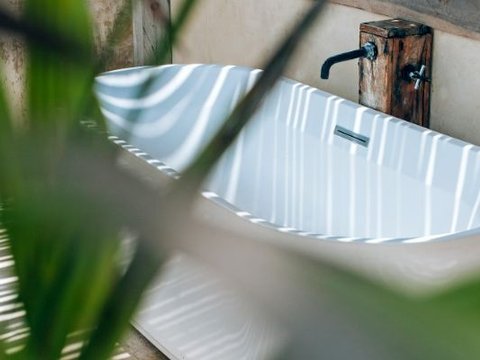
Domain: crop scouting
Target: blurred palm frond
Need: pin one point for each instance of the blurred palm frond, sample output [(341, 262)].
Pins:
[(64, 238)]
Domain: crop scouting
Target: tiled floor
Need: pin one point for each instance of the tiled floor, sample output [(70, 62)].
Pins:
[(13, 330)]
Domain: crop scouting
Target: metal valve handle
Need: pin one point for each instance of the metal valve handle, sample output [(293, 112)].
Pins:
[(419, 76)]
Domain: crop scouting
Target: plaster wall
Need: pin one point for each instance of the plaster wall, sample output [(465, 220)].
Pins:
[(244, 32)]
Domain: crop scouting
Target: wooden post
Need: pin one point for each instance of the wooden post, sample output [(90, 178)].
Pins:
[(403, 47), (150, 17)]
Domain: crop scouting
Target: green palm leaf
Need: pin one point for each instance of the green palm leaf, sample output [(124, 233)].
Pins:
[(58, 85)]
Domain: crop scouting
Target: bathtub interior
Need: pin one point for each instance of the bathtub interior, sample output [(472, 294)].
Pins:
[(287, 168)]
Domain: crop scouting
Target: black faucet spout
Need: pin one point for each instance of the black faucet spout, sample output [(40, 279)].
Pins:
[(369, 51)]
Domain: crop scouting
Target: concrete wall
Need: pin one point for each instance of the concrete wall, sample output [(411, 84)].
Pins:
[(244, 32)]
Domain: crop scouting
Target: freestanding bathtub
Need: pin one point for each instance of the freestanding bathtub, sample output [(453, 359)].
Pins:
[(376, 193)]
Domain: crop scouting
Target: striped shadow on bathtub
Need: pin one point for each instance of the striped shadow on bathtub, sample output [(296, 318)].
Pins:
[(309, 163)]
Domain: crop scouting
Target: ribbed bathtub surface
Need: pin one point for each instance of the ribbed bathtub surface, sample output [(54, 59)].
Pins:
[(288, 169)]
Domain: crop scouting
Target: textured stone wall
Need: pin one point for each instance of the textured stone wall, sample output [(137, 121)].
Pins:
[(104, 13), (12, 52), (12, 57)]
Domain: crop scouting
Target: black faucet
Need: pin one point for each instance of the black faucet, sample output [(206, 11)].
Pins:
[(368, 50)]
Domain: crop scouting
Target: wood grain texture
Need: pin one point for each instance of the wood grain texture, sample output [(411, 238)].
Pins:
[(374, 88), (394, 28), (149, 20), (459, 17), (384, 84)]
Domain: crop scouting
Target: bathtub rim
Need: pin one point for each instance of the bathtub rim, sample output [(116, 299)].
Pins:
[(216, 199), (164, 168)]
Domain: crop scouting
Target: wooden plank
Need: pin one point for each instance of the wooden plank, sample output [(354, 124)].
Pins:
[(150, 17), (459, 17), (394, 28), (139, 348)]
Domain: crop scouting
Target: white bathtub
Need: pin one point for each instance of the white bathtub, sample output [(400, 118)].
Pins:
[(397, 199)]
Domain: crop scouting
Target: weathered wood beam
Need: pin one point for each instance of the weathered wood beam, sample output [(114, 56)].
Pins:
[(459, 17), (385, 83), (149, 20)]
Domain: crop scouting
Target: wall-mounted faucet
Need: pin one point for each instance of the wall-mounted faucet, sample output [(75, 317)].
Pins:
[(395, 68), (368, 51)]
